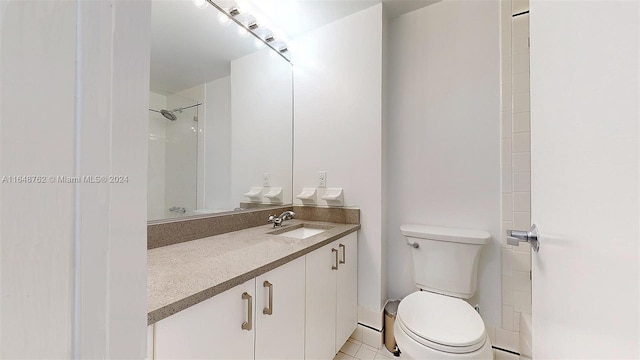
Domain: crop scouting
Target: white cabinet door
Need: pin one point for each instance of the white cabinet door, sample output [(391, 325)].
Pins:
[(347, 293), (150, 342), (280, 323), (320, 325), (211, 329)]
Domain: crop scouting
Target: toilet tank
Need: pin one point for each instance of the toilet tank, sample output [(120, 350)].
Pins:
[(446, 259)]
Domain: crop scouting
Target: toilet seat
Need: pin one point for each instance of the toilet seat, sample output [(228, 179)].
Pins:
[(441, 322)]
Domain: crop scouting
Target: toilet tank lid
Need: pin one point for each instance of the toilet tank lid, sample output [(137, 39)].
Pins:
[(465, 236)]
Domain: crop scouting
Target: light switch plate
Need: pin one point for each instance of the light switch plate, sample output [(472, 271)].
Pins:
[(266, 178)]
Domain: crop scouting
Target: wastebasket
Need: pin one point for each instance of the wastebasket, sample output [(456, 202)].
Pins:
[(390, 311)]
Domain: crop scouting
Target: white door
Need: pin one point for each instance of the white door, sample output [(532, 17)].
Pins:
[(347, 292), (280, 306), (212, 329), (584, 164)]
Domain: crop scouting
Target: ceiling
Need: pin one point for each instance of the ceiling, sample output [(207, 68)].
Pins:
[(295, 17), (396, 8), (189, 46)]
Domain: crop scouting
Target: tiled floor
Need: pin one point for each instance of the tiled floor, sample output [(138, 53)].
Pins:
[(354, 349)]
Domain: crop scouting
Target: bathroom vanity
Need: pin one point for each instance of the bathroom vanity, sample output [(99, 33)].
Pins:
[(255, 293)]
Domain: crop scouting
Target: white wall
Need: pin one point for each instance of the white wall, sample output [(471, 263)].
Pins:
[(338, 129), (261, 109), (37, 233), (73, 97), (157, 152), (217, 146), (443, 137)]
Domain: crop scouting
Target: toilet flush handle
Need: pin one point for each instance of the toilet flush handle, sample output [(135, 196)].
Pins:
[(415, 245)]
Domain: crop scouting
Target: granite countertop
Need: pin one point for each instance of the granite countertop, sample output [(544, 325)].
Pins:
[(184, 274)]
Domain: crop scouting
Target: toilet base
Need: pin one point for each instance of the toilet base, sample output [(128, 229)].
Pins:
[(413, 350)]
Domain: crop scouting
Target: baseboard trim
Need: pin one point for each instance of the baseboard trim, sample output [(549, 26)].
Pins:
[(369, 327), (371, 318), (505, 350)]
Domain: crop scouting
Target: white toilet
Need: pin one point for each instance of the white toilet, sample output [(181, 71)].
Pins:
[(435, 323)]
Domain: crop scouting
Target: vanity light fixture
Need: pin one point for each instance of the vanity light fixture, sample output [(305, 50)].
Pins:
[(249, 25)]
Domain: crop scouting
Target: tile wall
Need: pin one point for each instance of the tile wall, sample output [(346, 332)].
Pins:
[(516, 169)]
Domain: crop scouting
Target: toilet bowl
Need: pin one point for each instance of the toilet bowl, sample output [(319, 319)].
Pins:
[(435, 322), (434, 326)]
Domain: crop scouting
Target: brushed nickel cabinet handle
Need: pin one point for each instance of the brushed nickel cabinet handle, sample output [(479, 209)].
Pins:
[(335, 267), (247, 325), (344, 250), (269, 309)]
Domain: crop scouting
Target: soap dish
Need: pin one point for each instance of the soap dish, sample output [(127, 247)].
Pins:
[(334, 197), (255, 194), (274, 195), (308, 196)]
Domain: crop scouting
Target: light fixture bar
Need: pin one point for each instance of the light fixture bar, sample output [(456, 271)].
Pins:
[(234, 12)]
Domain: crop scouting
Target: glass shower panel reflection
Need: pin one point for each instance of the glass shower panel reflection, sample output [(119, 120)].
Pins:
[(173, 156), (181, 163)]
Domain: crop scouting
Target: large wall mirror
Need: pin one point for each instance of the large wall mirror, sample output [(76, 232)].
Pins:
[(220, 115)]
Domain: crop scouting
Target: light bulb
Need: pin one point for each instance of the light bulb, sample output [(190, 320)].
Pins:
[(242, 31), (224, 19), (200, 4), (278, 34)]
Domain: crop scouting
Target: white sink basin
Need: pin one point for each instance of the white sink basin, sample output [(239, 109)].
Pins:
[(302, 231)]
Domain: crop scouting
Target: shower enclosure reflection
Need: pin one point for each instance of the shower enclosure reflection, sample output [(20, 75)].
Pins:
[(220, 108), (173, 155)]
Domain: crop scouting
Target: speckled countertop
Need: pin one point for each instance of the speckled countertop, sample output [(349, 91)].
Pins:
[(184, 274)]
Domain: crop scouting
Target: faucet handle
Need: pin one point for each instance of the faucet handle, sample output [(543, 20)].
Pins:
[(276, 221)]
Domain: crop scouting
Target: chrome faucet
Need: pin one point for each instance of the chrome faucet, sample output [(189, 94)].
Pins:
[(278, 220)]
